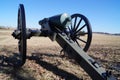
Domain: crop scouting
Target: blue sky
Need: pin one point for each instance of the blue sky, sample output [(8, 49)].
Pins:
[(104, 15)]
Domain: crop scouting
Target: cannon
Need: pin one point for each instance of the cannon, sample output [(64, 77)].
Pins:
[(68, 31)]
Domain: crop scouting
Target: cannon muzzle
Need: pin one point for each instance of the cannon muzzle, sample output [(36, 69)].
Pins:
[(60, 21)]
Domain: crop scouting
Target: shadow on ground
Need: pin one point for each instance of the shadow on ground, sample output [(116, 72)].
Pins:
[(9, 66), (50, 67)]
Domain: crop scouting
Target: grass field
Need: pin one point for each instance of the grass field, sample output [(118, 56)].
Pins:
[(44, 61)]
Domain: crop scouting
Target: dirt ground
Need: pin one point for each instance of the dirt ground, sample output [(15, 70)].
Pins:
[(44, 61)]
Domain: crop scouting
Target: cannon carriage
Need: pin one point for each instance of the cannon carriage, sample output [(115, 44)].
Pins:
[(72, 32)]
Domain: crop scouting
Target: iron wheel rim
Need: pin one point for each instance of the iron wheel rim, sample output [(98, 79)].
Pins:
[(22, 27), (80, 22)]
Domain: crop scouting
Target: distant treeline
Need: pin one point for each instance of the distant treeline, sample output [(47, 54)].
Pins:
[(1, 27), (5, 27), (117, 34)]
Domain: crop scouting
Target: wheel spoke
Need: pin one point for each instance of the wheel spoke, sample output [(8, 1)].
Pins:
[(81, 34), (77, 43), (78, 24), (81, 40), (75, 22), (80, 28), (69, 28)]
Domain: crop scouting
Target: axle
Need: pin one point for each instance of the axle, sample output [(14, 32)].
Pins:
[(29, 33)]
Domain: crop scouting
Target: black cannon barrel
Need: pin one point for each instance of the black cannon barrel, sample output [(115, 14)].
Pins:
[(60, 21)]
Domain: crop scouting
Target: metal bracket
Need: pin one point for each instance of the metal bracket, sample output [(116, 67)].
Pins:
[(16, 34)]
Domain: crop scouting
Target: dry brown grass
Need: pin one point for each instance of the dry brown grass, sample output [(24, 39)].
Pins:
[(44, 61), (104, 39)]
